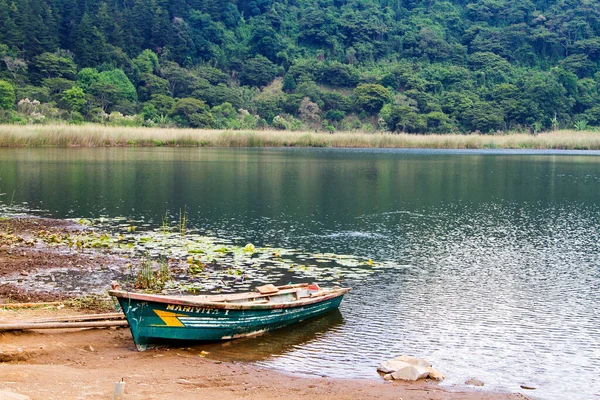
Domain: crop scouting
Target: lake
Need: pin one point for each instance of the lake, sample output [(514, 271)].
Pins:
[(493, 257)]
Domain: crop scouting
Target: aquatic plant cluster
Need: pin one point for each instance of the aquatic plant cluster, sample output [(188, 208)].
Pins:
[(170, 259), (200, 263)]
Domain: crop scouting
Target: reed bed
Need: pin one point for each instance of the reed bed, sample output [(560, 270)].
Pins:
[(92, 135)]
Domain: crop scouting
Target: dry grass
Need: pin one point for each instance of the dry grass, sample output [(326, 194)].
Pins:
[(103, 136)]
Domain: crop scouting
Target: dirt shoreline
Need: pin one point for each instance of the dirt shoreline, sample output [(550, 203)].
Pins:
[(84, 364)]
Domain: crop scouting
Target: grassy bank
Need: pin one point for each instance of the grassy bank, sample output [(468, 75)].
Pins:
[(104, 136)]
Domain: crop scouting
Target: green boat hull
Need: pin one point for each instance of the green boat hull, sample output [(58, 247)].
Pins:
[(153, 322)]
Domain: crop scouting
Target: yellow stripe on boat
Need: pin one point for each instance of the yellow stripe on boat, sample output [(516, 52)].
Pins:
[(169, 318)]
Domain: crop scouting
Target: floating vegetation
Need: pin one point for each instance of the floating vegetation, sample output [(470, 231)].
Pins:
[(201, 263), (173, 258)]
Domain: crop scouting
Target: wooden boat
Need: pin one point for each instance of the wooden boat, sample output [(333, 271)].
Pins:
[(155, 318)]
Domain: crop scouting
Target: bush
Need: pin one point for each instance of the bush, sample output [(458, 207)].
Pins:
[(7, 96), (258, 71), (335, 115), (371, 97), (76, 118)]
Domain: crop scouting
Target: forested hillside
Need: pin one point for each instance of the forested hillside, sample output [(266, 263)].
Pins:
[(399, 65)]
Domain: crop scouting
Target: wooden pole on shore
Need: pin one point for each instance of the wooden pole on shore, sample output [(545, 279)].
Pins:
[(30, 305), (82, 317), (60, 325)]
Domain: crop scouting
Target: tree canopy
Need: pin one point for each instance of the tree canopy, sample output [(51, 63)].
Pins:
[(411, 65)]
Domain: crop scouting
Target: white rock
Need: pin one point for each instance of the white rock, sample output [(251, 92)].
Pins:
[(435, 374), (474, 382), (411, 373), (12, 396), (391, 366), (413, 361)]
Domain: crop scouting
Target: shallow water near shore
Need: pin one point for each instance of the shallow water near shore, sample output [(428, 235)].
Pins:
[(492, 259)]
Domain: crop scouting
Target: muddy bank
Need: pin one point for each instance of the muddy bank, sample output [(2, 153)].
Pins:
[(84, 364), (28, 246)]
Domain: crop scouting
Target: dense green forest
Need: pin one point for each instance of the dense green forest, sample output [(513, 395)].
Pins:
[(401, 65)]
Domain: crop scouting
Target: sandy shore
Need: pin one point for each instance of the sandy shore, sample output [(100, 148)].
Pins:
[(84, 364)]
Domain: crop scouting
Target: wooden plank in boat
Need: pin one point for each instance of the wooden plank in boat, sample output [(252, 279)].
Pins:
[(267, 289)]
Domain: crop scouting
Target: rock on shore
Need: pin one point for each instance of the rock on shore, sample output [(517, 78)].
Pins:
[(409, 368)]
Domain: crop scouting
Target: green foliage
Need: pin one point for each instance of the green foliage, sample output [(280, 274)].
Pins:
[(443, 64), (86, 77), (52, 65), (150, 277), (162, 104), (192, 112), (120, 81), (371, 97), (289, 83), (225, 117), (7, 95), (146, 62), (580, 125), (268, 106), (258, 71), (483, 117), (75, 98), (339, 75), (213, 75), (150, 85), (403, 118), (335, 115)]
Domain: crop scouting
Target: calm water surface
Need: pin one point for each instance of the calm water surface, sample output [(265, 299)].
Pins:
[(496, 254)]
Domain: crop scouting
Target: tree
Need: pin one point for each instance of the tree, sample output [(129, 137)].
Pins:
[(340, 75), (225, 117), (145, 63), (7, 95), (75, 98), (371, 97), (484, 117), (118, 78), (258, 71), (181, 81), (111, 89), (16, 66), (56, 87), (53, 65), (309, 112), (86, 77), (579, 64), (89, 45), (403, 118), (192, 112), (149, 85), (438, 122), (163, 104), (289, 83)]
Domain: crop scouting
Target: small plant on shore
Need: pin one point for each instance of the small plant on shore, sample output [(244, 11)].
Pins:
[(165, 226), (183, 220), (150, 278), (580, 125), (554, 122), (91, 302), (537, 127)]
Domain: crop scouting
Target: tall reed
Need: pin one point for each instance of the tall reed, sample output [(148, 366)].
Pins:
[(92, 135)]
